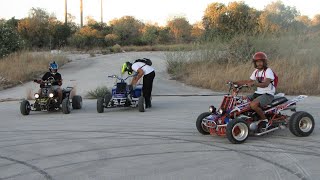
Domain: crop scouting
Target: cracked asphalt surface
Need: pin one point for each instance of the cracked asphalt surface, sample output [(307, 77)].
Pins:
[(161, 143)]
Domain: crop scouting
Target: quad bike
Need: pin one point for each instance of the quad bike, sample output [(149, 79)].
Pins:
[(48, 100), (123, 95), (236, 120)]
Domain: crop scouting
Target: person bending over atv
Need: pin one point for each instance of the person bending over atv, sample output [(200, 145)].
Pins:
[(142, 68), (53, 74), (265, 80)]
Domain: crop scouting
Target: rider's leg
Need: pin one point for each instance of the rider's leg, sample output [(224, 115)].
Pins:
[(255, 105), (59, 91), (147, 88)]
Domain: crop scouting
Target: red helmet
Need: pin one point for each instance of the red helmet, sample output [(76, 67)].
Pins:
[(259, 56)]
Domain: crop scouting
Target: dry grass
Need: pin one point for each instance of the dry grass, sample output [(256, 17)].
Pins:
[(24, 66), (171, 47), (296, 62)]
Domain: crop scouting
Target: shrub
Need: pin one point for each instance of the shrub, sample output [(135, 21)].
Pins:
[(98, 92), (116, 48), (10, 40)]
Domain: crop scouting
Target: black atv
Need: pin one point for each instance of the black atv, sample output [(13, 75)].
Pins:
[(48, 100)]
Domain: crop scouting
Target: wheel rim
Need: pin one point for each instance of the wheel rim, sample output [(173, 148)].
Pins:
[(305, 124), (240, 131), (203, 126)]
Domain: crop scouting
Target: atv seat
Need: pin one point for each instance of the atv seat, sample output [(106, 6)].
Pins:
[(67, 90), (277, 101), (121, 88)]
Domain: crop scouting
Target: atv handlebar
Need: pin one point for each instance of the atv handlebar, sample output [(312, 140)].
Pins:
[(233, 85), (119, 78)]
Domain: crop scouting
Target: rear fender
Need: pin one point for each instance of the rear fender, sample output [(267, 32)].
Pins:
[(287, 105)]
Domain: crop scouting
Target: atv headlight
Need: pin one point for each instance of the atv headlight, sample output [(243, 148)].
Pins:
[(212, 109), (220, 111), (51, 95), (36, 95)]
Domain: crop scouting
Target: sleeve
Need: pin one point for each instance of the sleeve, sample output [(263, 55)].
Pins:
[(269, 74), (59, 77), (253, 76), (45, 76), (135, 67)]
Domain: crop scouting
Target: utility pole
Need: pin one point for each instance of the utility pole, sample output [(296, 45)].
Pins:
[(81, 13), (65, 12), (101, 11)]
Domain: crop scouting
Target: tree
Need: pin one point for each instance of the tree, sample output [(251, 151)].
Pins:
[(316, 20), (10, 40), (111, 39), (197, 31), (35, 28), (128, 29), (150, 34), (180, 29), (60, 34), (236, 18), (87, 37), (164, 35), (277, 17)]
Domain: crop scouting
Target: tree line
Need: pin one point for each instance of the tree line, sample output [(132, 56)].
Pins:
[(43, 30)]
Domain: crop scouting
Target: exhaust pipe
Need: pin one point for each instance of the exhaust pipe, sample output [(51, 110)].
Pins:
[(271, 130)]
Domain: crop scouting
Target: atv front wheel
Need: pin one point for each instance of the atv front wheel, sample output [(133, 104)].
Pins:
[(76, 102), (100, 105), (301, 124), (200, 126), (66, 109), (237, 131), (141, 104), (25, 107)]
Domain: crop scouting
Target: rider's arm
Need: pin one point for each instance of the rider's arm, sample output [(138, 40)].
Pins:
[(136, 78), (263, 84), (59, 79), (241, 83), (45, 76)]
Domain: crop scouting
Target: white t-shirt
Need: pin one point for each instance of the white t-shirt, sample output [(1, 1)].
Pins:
[(259, 76), (145, 68)]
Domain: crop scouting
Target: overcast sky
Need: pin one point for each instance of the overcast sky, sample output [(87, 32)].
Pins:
[(145, 10)]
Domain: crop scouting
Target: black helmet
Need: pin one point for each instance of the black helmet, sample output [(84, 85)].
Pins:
[(53, 67)]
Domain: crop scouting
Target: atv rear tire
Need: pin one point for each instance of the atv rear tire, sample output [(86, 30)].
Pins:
[(237, 131), (141, 104), (100, 105), (301, 124), (76, 102), (25, 107), (201, 128), (66, 107)]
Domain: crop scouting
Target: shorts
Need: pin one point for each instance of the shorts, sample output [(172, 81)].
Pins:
[(55, 87), (264, 99)]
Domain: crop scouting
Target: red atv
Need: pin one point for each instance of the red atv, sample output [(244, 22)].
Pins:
[(236, 120)]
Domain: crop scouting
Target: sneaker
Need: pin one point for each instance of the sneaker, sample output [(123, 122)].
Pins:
[(266, 124)]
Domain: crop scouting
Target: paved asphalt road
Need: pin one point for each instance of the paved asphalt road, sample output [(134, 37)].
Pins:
[(161, 143)]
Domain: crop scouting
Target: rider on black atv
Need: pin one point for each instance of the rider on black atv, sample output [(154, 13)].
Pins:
[(263, 78), (53, 73)]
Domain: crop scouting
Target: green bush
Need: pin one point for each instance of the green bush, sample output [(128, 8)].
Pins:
[(98, 92), (116, 48), (10, 40)]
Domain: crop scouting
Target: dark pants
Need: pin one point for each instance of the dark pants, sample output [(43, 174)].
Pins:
[(147, 88)]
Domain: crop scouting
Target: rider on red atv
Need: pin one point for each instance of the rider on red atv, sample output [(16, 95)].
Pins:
[(264, 79)]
